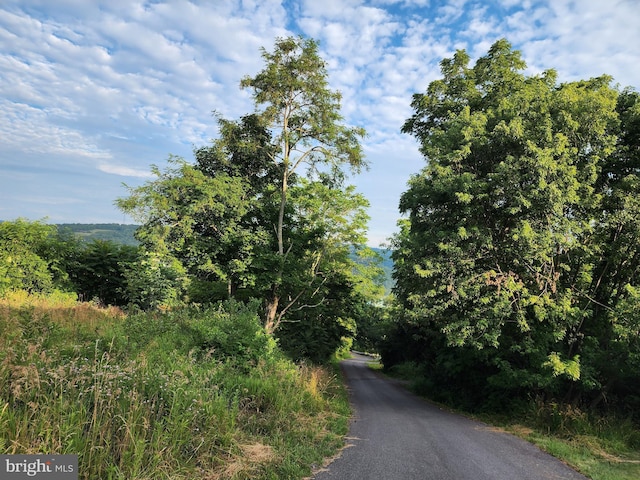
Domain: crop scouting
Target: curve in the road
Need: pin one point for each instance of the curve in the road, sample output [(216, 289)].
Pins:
[(396, 435)]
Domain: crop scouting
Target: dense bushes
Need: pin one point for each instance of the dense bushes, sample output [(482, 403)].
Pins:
[(35, 257), (190, 393), (517, 262), (24, 260)]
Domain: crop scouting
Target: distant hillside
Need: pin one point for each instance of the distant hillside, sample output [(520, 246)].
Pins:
[(387, 266), (115, 232), (387, 262)]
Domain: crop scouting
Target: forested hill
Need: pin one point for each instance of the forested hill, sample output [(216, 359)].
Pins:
[(115, 232), (387, 266)]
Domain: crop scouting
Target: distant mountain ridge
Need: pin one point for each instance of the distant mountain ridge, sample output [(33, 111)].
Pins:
[(387, 266), (114, 232)]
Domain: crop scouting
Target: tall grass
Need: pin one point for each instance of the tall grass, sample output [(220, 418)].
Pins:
[(172, 395), (602, 447)]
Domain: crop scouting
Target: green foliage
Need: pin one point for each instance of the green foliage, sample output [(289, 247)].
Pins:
[(304, 116), (373, 321), (600, 447), (189, 215), (233, 331), (518, 259), (316, 336), (244, 153), (26, 262), (39, 258), (298, 104), (155, 281), (150, 395), (97, 271), (264, 209), (570, 368)]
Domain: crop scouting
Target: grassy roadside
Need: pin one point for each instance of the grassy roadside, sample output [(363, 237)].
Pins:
[(601, 448), (183, 394)]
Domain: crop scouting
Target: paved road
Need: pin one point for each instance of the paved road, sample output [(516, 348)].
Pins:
[(397, 436)]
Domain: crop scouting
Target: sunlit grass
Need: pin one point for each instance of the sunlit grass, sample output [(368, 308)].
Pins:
[(601, 447), (139, 397)]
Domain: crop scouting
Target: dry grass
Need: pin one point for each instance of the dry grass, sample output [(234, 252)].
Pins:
[(71, 381), (317, 381), (62, 309), (248, 461), (595, 447)]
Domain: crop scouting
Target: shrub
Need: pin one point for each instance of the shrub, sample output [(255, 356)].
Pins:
[(189, 393), (232, 330)]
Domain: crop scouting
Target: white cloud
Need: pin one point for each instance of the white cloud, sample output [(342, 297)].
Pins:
[(124, 171), (106, 88), (579, 39), (451, 11), (29, 129)]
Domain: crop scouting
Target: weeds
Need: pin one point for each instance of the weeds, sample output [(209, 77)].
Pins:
[(612, 442), (162, 395)]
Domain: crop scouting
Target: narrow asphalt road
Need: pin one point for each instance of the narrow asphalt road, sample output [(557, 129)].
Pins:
[(396, 435)]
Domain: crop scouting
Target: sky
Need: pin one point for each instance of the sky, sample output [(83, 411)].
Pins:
[(93, 92)]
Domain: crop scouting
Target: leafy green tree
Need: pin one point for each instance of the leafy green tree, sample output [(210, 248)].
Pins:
[(607, 338), (330, 277), (244, 152), (25, 263), (505, 223), (156, 280), (97, 271), (243, 213), (195, 218), (324, 225), (303, 115)]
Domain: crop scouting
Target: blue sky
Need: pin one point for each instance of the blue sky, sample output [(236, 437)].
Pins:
[(94, 92)]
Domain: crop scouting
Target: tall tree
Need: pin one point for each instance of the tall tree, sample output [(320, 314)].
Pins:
[(608, 336), (498, 250), (193, 217), (304, 115), (264, 207)]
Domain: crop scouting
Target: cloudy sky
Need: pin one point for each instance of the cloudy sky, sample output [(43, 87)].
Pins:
[(93, 92)]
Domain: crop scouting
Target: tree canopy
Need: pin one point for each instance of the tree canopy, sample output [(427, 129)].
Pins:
[(303, 114), (521, 236), (265, 208)]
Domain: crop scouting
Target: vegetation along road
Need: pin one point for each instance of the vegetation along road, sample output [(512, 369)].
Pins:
[(397, 435)]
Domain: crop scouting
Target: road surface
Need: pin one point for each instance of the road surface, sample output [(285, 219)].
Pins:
[(396, 435)]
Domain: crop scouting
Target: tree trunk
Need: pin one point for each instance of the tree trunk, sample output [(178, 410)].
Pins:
[(232, 288), (602, 395), (272, 312), (283, 202)]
